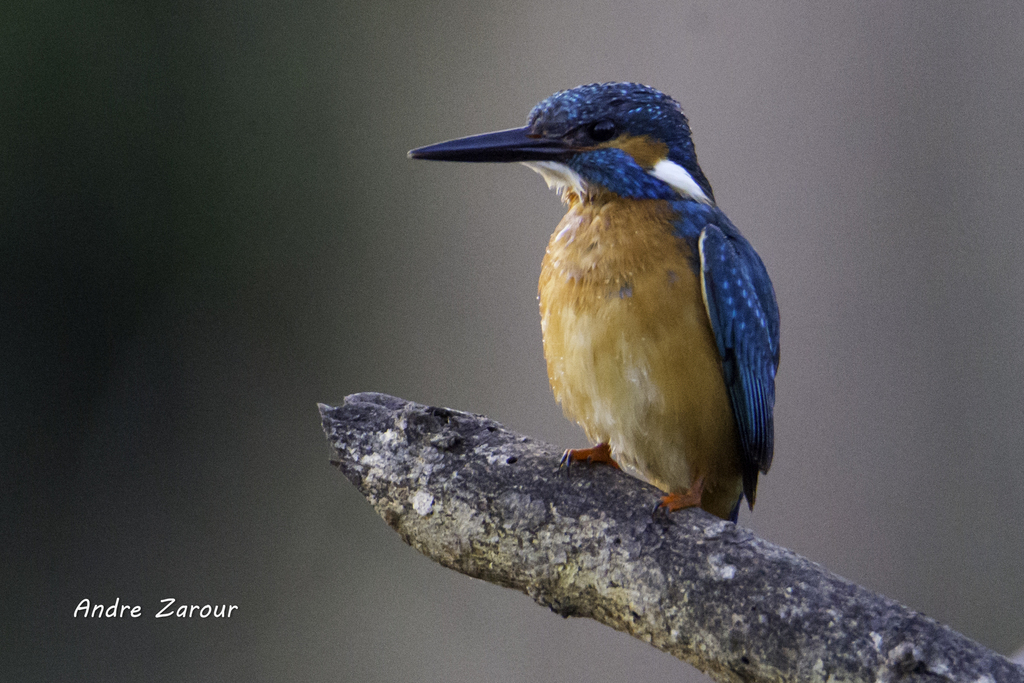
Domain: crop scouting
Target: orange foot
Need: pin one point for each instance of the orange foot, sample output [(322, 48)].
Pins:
[(689, 498), (601, 453)]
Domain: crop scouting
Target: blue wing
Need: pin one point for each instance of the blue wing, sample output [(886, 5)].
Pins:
[(744, 317)]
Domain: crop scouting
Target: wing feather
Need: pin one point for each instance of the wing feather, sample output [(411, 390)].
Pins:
[(741, 307)]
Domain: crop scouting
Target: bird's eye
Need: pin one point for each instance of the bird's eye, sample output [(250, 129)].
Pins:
[(601, 131)]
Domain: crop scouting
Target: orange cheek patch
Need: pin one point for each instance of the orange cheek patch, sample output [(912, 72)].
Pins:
[(644, 150)]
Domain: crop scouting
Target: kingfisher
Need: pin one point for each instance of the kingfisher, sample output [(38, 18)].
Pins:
[(660, 324)]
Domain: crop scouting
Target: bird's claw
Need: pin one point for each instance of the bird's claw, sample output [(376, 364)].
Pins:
[(566, 461), (660, 513)]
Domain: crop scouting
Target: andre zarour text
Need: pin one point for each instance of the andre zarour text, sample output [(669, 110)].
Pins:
[(169, 607)]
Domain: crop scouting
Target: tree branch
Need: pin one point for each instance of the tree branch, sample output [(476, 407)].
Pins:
[(489, 503)]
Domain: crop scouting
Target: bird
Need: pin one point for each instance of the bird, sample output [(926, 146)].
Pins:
[(659, 321)]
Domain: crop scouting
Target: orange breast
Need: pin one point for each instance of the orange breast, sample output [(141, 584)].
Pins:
[(629, 348)]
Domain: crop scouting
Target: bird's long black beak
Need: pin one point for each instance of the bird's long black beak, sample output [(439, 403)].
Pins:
[(515, 144)]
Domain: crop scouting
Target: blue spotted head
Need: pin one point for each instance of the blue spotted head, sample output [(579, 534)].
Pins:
[(623, 138)]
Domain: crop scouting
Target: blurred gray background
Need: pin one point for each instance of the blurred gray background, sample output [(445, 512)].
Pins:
[(209, 225)]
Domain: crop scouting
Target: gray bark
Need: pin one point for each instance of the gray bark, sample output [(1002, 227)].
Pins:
[(492, 504)]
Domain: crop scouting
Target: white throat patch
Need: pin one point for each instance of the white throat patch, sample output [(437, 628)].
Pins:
[(559, 177)]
